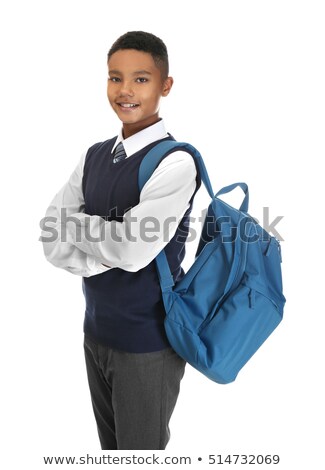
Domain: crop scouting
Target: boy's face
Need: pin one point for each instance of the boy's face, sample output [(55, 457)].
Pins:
[(134, 89)]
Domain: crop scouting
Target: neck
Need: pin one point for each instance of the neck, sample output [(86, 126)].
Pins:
[(131, 129)]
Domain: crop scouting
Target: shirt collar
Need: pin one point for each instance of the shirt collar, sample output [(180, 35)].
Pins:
[(142, 138)]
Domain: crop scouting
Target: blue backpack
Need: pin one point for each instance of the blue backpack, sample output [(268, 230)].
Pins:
[(230, 300)]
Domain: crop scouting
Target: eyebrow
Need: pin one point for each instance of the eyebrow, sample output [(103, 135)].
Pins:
[(138, 72)]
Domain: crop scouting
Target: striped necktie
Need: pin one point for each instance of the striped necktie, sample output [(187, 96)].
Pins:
[(119, 153)]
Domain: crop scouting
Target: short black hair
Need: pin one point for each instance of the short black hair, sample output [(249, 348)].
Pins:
[(145, 42)]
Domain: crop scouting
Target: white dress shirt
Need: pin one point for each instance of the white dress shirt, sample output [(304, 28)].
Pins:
[(165, 197)]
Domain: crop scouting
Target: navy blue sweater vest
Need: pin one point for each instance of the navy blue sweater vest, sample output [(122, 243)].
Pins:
[(124, 310)]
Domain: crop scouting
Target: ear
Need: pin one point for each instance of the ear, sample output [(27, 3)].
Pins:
[(167, 85)]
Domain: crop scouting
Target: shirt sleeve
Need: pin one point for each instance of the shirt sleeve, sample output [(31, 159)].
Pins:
[(57, 249), (146, 228)]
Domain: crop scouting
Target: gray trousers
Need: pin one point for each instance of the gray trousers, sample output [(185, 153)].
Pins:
[(133, 395)]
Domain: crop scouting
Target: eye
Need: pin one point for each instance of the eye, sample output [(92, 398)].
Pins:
[(114, 79), (141, 80)]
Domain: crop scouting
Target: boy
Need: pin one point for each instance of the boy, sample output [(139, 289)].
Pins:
[(105, 234)]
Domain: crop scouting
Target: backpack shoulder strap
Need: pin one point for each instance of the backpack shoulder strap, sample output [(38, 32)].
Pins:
[(160, 151), (147, 167)]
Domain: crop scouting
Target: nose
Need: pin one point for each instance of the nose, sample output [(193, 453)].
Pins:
[(126, 89)]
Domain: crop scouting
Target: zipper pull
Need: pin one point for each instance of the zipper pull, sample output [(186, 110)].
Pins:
[(279, 248), (251, 297), (268, 251)]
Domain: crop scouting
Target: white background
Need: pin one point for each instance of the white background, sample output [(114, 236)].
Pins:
[(249, 94)]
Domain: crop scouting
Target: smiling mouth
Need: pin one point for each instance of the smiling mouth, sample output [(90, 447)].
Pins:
[(128, 105)]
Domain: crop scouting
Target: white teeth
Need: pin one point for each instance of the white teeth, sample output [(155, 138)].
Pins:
[(128, 105)]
